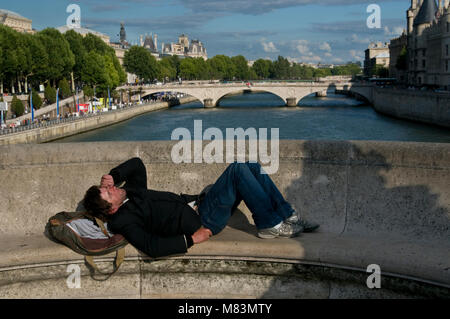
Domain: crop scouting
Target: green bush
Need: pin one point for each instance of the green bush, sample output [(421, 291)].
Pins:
[(50, 94), (64, 89), (37, 101), (17, 106)]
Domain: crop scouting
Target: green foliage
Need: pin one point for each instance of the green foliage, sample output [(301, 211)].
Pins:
[(241, 66), (88, 91), (37, 101), (139, 61), (61, 60), (17, 106), (402, 60), (50, 94), (380, 71), (222, 68), (262, 68), (64, 89)]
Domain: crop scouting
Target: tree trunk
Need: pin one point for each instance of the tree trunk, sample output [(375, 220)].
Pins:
[(73, 82), (1, 87), (26, 83), (19, 84), (13, 90)]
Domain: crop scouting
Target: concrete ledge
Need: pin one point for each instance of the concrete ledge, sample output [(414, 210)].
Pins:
[(378, 203)]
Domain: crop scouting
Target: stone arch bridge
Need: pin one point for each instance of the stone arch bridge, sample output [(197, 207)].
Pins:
[(290, 93)]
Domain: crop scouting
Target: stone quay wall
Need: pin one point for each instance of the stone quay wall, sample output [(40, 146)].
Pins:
[(427, 107)]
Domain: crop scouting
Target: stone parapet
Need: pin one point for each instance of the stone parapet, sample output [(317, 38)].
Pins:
[(378, 203)]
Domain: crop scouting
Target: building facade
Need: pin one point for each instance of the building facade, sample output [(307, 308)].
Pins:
[(15, 21), (184, 48), (398, 67), (376, 54), (428, 41)]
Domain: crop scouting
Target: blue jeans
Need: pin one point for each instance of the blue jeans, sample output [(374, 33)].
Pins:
[(244, 181)]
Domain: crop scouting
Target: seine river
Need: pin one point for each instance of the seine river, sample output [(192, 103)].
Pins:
[(331, 118)]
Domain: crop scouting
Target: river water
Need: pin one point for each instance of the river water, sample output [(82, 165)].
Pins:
[(334, 117)]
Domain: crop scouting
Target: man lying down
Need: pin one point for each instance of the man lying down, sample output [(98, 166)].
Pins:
[(163, 223)]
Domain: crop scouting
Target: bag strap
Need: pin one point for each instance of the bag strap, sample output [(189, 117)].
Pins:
[(102, 227), (120, 256)]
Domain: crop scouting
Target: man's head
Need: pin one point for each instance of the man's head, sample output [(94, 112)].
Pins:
[(103, 201)]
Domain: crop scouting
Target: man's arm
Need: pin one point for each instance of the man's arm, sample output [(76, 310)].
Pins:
[(132, 171)]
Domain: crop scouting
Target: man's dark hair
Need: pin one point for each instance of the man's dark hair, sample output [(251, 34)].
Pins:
[(95, 205)]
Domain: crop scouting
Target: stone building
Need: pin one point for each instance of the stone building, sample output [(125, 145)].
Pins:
[(428, 41), (15, 21), (150, 42), (396, 47), (376, 54), (184, 48)]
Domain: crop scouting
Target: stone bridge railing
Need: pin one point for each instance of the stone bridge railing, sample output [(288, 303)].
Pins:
[(290, 92)]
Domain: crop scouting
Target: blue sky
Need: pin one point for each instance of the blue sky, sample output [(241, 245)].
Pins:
[(326, 31)]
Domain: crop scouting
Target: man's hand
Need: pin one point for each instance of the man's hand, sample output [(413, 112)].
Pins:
[(107, 181), (201, 235)]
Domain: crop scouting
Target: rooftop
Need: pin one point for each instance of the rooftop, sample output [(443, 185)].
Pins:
[(427, 12)]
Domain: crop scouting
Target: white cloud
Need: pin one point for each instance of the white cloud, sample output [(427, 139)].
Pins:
[(355, 55), (302, 46), (325, 46), (395, 31), (269, 47), (355, 39), (310, 58)]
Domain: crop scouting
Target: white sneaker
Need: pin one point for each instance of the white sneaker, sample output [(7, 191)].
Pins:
[(282, 230), (307, 226)]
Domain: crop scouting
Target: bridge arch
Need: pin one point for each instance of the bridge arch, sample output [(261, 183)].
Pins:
[(222, 95), (161, 90)]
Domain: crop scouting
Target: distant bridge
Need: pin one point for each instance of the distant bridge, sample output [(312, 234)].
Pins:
[(290, 92)]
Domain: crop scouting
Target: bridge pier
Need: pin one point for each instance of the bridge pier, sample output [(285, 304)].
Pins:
[(291, 101), (209, 103)]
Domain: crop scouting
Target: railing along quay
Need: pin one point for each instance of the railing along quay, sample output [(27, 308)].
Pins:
[(71, 119)]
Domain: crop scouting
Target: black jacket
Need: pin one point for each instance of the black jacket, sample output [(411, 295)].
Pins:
[(156, 223)]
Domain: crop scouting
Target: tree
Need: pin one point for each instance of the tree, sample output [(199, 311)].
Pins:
[(166, 69), (262, 68), (241, 66), (37, 101), (380, 71), (222, 67), (17, 106), (94, 71), (50, 94), (64, 89), (402, 60), (139, 61), (77, 47), (281, 68), (61, 60)]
